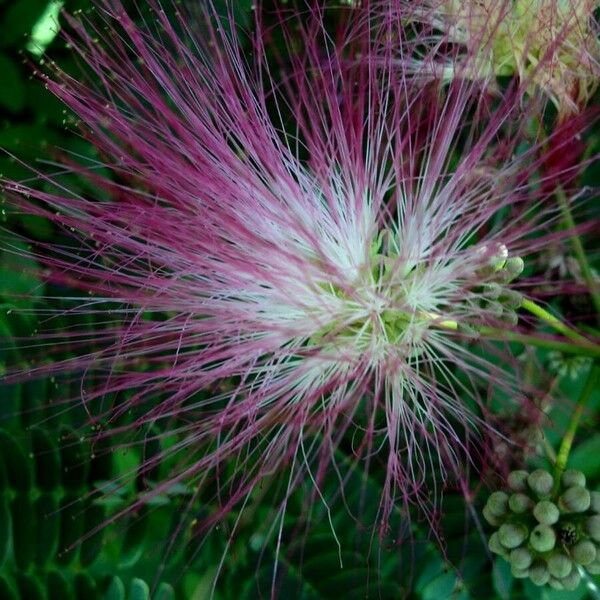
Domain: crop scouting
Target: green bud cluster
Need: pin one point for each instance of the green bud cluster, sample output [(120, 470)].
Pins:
[(498, 270), (546, 532)]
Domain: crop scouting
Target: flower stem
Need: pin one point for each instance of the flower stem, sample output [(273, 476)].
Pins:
[(579, 250), (554, 322), (587, 349), (567, 441), (582, 346)]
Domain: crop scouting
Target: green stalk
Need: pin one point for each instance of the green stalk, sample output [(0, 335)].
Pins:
[(580, 349), (554, 322), (579, 250), (582, 346), (567, 441)]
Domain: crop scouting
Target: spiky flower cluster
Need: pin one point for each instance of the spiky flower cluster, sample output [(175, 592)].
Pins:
[(546, 532), (291, 263), (550, 44)]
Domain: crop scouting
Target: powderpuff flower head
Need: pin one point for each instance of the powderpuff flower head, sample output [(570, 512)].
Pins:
[(550, 44), (288, 260)]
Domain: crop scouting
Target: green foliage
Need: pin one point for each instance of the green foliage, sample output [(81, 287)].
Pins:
[(56, 538)]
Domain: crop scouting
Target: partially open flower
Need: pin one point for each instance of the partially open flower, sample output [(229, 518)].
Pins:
[(325, 251), (550, 45)]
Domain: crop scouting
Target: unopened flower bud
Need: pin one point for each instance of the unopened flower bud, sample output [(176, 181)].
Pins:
[(495, 546), (584, 552), (520, 503), (517, 481), (546, 512), (540, 482), (519, 573), (559, 565), (490, 517), (538, 573), (595, 501), (497, 503), (533, 434), (556, 584), (498, 259), (514, 267), (492, 290), (592, 526), (575, 499), (571, 478), (511, 298), (521, 558), (468, 331), (594, 567), (572, 580), (542, 538), (512, 535), (510, 317)]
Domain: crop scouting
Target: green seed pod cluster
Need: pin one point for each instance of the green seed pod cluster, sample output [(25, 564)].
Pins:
[(500, 269), (547, 532)]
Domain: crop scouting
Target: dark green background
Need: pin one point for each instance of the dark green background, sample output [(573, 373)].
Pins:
[(48, 466)]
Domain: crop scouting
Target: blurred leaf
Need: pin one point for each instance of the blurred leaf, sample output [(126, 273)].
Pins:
[(5, 530), (138, 590), (58, 587), (23, 530), (165, 592), (29, 587), (19, 19), (7, 591), (503, 579), (441, 586), (12, 89), (17, 466), (46, 459), (48, 520), (116, 590)]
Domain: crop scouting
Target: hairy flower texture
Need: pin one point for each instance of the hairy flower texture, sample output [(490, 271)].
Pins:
[(290, 264), (552, 45)]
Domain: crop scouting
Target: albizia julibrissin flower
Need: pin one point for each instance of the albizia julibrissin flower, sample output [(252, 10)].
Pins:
[(293, 260), (551, 45)]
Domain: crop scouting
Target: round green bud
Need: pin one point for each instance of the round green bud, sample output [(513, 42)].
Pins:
[(592, 526), (538, 573), (514, 267), (512, 318), (571, 478), (512, 535), (594, 568), (511, 298), (595, 501), (520, 503), (498, 503), (540, 482), (542, 538), (533, 434), (575, 499), (492, 290), (572, 580), (519, 573), (495, 546), (517, 481), (498, 260), (546, 512), (521, 558), (556, 584), (490, 517), (559, 565), (584, 552)]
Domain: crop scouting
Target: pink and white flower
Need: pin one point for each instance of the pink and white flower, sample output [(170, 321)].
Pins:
[(323, 248)]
